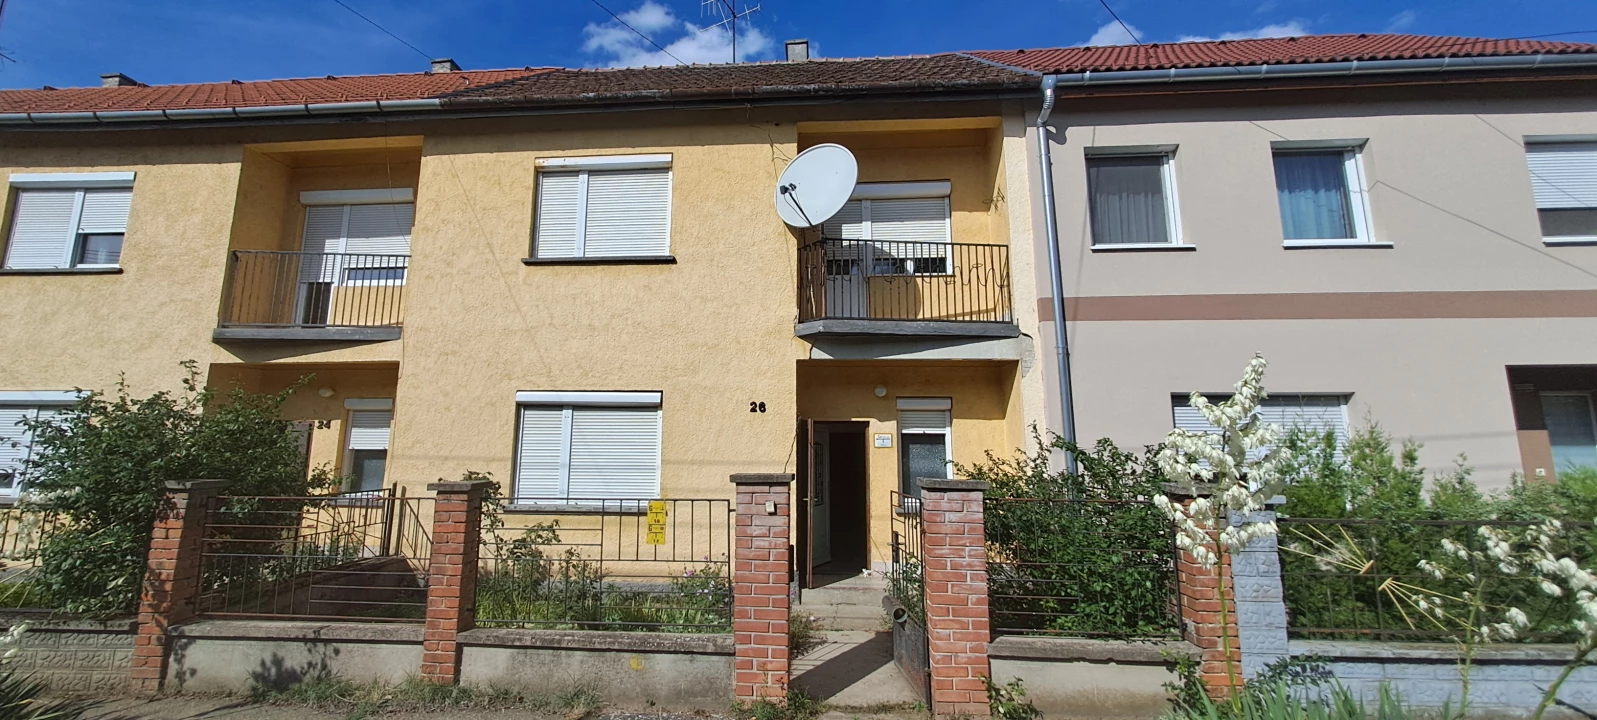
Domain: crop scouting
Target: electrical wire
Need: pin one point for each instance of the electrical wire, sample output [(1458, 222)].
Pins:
[(639, 33), (1123, 25), (385, 30)]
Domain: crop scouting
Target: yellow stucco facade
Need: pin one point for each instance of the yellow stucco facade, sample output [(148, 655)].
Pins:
[(712, 330)]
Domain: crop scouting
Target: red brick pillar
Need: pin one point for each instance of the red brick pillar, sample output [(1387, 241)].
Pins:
[(452, 577), (171, 579), (955, 566), (759, 586), (1199, 589)]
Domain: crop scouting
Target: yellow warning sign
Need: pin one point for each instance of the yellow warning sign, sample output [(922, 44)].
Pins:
[(657, 518)]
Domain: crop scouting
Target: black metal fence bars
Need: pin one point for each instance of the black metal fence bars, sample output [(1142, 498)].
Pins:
[(359, 556), (268, 288), (637, 565), (890, 280), (1084, 568), (22, 533)]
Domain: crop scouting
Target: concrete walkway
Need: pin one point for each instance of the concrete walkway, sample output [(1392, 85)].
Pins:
[(854, 669)]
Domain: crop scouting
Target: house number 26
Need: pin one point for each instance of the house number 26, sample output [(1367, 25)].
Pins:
[(756, 407)]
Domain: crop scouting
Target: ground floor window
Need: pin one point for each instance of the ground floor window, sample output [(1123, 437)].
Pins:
[(924, 441), (576, 447), (366, 457), (16, 444), (1317, 413), (1571, 429)]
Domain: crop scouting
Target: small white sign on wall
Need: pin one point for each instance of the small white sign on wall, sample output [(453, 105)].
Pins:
[(884, 440)]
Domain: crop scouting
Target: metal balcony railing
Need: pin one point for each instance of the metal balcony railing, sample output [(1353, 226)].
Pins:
[(891, 280), (274, 289)]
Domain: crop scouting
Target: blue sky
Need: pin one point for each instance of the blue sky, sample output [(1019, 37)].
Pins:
[(68, 43)]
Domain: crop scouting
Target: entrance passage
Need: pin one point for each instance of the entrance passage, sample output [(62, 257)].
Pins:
[(834, 494)]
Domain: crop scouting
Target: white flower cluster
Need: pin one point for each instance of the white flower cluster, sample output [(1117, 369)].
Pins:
[(12, 641), (1239, 462), (1561, 576)]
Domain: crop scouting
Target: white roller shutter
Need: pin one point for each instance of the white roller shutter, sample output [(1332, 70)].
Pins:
[(324, 233), (848, 223), (541, 457), (629, 213), (105, 211), (379, 229), (615, 453), (1317, 413), (14, 445), (910, 220), (1564, 175), (369, 430), (924, 421), (559, 215), (41, 229)]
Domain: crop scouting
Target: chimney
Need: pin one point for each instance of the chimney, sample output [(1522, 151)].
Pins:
[(798, 50), (118, 80), (442, 65)]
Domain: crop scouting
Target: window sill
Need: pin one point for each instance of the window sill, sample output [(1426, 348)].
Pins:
[(63, 271), (627, 508), (622, 260), (1333, 244), (1572, 240), (1144, 247)]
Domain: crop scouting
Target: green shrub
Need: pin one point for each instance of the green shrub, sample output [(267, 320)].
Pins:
[(1008, 701), (103, 464)]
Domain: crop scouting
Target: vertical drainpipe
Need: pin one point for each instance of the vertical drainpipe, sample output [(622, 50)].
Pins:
[(1067, 410)]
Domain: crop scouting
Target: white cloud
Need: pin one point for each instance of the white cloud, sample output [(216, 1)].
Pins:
[(682, 39), (1276, 30), (1112, 33), (1401, 21)]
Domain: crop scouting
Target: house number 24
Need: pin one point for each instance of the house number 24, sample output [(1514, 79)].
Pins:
[(756, 407)]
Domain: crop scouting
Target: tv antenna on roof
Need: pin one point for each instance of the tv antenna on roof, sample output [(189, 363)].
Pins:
[(816, 185), (727, 10)]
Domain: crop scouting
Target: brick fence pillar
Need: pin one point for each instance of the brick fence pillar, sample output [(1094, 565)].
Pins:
[(760, 585), (171, 579), (1199, 589), (451, 577), (954, 560)]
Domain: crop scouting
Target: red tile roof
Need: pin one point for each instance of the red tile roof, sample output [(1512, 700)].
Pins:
[(1269, 51), (351, 88), (924, 73)]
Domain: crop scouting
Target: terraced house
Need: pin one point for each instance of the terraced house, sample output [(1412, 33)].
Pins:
[(575, 280)]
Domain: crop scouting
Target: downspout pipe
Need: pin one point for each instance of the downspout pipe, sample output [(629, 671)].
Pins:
[(1045, 162)]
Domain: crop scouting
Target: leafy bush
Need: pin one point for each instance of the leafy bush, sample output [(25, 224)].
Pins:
[(1293, 688), (1008, 701), (1083, 553), (103, 464)]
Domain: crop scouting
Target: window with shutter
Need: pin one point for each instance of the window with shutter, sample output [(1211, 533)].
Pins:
[(603, 213), (573, 453), (1564, 178), (62, 227), (365, 244), (908, 236), (1316, 413), (367, 459), (925, 445), (16, 444)]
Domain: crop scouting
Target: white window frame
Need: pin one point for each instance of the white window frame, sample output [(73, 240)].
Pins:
[(347, 199), (1172, 203), (355, 405), (943, 404), (78, 182), (35, 400), (584, 167), (569, 402), (1532, 142), (1353, 179)]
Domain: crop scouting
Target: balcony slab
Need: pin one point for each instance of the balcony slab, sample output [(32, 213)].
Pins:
[(854, 327), (292, 334)]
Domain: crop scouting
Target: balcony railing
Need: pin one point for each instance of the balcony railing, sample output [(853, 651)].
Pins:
[(904, 281), (272, 289)]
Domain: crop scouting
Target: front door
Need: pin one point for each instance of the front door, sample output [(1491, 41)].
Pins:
[(820, 499)]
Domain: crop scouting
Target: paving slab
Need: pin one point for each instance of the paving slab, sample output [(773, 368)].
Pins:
[(853, 668)]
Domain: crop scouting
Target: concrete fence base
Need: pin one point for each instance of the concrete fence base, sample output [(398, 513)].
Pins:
[(1086, 679), (75, 657)]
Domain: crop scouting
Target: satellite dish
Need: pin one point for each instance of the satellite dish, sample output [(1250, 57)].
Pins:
[(816, 185)]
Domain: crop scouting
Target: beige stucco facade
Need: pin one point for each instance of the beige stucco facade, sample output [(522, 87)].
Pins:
[(1419, 329), (712, 330)]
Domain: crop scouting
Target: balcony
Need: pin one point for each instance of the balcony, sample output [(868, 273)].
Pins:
[(315, 297), (876, 287)]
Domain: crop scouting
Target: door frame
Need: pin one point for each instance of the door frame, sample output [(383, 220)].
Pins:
[(804, 523)]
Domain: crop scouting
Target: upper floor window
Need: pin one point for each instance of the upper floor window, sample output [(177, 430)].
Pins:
[(582, 447), (1322, 195), (603, 207), (1564, 177), (908, 225), (68, 220), (1131, 198)]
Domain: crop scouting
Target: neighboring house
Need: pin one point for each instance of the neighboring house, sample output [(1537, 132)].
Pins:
[(574, 280), (1402, 225)]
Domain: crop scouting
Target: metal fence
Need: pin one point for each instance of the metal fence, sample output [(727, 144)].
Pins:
[(906, 577), (22, 533), (1081, 568), (1355, 579), (636, 565), (881, 280), (268, 288), (362, 556)]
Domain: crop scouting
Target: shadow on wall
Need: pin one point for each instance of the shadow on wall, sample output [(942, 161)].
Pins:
[(274, 672)]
